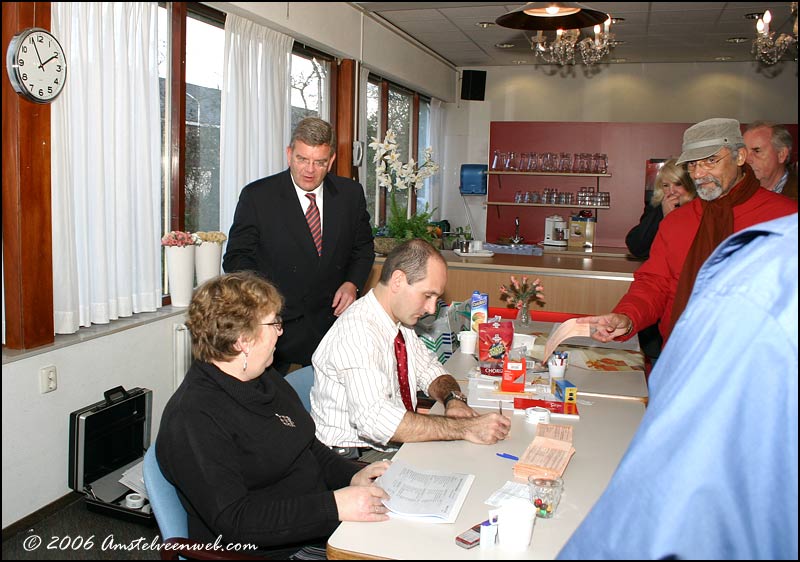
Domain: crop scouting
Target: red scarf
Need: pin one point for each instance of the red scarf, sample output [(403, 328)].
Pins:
[(715, 226)]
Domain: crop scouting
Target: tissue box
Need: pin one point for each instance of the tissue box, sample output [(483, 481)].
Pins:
[(564, 390)]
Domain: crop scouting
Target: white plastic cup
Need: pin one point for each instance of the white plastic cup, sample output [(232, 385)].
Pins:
[(476, 246), (469, 341), (556, 371), (515, 520)]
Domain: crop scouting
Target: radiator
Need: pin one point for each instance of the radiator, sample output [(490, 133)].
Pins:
[(181, 353)]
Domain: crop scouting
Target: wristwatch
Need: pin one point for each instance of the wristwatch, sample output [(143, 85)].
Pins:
[(454, 394)]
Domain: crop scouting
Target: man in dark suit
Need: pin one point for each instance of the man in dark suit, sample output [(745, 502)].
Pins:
[(307, 231)]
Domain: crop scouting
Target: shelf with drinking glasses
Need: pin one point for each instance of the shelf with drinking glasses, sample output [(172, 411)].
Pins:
[(551, 174), (554, 205)]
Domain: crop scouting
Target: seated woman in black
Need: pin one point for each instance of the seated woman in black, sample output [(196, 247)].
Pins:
[(239, 446)]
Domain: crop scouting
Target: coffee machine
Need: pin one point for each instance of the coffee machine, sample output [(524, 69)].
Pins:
[(555, 231)]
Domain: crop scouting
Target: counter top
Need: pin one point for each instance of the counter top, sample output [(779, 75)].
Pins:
[(554, 263)]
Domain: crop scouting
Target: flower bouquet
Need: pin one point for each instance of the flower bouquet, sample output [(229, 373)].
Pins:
[(394, 175), (520, 295), (180, 238)]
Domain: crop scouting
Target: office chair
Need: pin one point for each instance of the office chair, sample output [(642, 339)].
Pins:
[(302, 380), (172, 519)]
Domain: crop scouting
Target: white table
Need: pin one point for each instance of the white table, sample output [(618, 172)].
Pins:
[(601, 437)]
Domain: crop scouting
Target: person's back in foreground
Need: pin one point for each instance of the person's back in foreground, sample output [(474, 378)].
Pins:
[(712, 470)]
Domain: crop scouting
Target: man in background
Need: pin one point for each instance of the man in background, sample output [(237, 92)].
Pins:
[(729, 199), (370, 365), (769, 146), (712, 470), (307, 231)]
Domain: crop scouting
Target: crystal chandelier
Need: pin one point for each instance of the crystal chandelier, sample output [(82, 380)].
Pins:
[(768, 48), (562, 50)]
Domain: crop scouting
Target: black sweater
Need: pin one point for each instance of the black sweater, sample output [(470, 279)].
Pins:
[(246, 463), (641, 236)]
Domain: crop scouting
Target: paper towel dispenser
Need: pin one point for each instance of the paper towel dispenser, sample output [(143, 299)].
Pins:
[(473, 179)]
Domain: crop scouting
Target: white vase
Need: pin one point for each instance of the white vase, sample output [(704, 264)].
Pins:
[(180, 271), (207, 260)]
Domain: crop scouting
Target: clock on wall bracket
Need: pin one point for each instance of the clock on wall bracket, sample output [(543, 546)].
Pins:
[(36, 65)]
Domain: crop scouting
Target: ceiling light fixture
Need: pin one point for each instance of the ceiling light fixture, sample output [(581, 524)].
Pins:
[(485, 24), (566, 19), (504, 45), (736, 40), (767, 48), (549, 16)]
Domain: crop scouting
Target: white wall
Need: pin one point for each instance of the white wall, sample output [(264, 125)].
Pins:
[(672, 93), (36, 426), (336, 28)]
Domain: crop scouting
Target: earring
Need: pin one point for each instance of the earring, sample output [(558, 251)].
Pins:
[(244, 365)]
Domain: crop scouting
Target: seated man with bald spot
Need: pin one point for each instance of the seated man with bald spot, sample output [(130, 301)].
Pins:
[(370, 364)]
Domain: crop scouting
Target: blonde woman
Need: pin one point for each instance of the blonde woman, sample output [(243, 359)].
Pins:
[(673, 188)]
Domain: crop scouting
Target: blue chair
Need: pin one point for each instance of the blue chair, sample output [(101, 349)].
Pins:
[(172, 519), (302, 380)]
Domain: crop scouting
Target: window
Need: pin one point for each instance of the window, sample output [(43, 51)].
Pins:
[(310, 85), (408, 114), (191, 197)]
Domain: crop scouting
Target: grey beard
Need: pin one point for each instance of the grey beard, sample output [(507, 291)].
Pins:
[(709, 189)]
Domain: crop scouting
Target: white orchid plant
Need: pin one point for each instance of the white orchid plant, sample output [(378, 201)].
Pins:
[(392, 173)]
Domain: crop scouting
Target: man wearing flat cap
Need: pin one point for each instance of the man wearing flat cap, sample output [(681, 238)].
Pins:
[(729, 199)]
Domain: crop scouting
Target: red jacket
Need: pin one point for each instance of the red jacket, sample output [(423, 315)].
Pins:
[(649, 298)]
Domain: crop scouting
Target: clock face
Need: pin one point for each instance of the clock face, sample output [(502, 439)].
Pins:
[(36, 65)]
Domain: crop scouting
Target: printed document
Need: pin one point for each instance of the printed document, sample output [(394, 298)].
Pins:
[(424, 495), (548, 454)]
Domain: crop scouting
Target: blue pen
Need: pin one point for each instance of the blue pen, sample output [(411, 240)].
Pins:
[(507, 456)]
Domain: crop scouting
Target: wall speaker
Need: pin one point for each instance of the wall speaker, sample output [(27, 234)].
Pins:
[(473, 85)]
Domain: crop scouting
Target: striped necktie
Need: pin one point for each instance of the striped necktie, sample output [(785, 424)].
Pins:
[(314, 223)]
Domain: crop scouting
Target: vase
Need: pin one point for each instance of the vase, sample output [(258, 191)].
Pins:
[(207, 260), (180, 272), (524, 316)]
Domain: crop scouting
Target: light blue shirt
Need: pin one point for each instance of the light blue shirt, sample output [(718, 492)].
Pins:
[(712, 470)]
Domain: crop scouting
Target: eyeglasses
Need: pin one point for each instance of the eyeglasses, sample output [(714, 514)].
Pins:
[(319, 164), (706, 163), (277, 323)]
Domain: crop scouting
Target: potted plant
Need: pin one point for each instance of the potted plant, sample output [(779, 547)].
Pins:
[(179, 248), (208, 256), (393, 174)]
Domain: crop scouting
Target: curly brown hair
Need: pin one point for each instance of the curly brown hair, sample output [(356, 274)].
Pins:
[(226, 307)]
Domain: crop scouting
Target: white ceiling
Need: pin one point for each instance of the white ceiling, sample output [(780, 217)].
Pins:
[(652, 31)]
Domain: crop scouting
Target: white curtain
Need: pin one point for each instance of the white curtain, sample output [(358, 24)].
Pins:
[(437, 138), (255, 109), (106, 157)]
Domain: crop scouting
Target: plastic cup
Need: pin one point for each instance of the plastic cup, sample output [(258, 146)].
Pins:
[(468, 340), (556, 371), (515, 521)]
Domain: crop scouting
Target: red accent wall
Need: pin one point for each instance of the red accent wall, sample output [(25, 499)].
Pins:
[(628, 146)]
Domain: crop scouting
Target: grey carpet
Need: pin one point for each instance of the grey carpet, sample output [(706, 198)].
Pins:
[(66, 532)]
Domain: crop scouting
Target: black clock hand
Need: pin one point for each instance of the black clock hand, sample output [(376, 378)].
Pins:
[(35, 48), (48, 60)]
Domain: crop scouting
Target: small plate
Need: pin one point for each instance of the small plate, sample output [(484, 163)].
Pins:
[(479, 254)]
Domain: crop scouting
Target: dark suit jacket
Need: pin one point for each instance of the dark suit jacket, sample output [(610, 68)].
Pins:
[(270, 235), (790, 189)]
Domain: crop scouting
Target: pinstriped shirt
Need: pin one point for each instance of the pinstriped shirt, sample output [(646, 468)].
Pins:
[(355, 401)]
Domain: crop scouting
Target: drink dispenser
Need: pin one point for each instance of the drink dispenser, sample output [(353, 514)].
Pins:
[(555, 231)]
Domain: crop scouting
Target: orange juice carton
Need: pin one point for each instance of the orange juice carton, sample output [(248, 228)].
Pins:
[(479, 311)]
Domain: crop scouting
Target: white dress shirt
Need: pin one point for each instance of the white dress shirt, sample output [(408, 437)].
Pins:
[(355, 401)]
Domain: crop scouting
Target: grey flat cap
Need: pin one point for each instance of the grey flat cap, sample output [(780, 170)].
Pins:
[(707, 138)]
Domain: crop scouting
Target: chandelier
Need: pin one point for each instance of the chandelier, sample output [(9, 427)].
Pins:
[(768, 48), (562, 50)]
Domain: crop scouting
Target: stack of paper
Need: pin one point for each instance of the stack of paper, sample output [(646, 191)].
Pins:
[(548, 454), (424, 495)]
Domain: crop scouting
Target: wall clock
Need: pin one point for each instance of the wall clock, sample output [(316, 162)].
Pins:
[(36, 65)]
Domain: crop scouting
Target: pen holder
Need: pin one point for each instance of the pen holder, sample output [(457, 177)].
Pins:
[(556, 371)]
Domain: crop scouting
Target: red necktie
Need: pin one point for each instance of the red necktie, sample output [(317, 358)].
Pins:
[(314, 223), (402, 370)]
